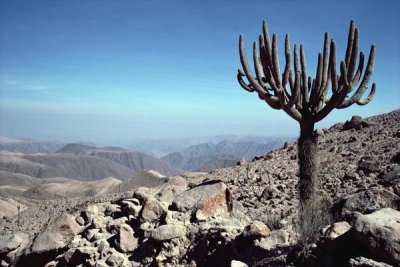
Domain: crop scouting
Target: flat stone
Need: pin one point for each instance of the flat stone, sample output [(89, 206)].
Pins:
[(168, 232)]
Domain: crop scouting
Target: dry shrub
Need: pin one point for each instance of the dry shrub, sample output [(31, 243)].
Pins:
[(313, 216)]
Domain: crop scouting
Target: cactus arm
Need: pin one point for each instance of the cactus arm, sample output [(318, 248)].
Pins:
[(368, 98), (275, 61), (336, 97), (325, 60), (297, 82), (246, 68), (357, 76), (318, 79), (263, 94), (245, 86), (286, 73), (257, 66), (353, 58), (332, 58), (267, 42), (363, 86), (350, 41), (304, 88)]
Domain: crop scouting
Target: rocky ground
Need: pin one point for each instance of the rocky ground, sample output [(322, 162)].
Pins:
[(232, 217)]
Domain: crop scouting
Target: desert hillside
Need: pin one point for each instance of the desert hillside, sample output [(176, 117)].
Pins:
[(240, 215)]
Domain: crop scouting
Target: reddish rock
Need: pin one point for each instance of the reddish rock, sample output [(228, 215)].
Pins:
[(210, 198)]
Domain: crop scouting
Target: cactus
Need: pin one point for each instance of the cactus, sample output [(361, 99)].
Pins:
[(306, 99)]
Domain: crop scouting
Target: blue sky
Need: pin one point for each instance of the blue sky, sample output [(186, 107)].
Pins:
[(118, 71)]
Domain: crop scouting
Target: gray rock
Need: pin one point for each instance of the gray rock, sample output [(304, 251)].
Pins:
[(125, 240), (391, 176), (256, 230), (131, 207), (13, 241), (356, 123), (56, 235), (117, 259), (277, 238), (366, 201), (368, 165), (152, 210), (168, 232), (364, 262), (380, 233), (90, 212), (337, 229), (235, 263)]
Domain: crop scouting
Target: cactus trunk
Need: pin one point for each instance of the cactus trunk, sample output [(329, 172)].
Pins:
[(308, 159)]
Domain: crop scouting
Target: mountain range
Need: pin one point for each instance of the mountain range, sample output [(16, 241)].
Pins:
[(209, 156)]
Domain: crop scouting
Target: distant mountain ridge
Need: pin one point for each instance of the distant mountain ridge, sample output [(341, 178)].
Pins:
[(136, 161), (162, 147), (208, 156), (31, 147)]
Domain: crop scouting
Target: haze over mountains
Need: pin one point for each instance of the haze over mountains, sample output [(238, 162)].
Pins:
[(208, 156), (53, 169)]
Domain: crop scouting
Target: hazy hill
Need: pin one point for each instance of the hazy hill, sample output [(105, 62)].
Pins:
[(222, 154), (162, 147), (31, 147), (79, 167), (135, 161)]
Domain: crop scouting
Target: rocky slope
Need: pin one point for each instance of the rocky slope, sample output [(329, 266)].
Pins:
[(234, 216)]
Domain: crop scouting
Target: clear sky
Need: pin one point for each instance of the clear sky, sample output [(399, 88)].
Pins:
[(117, 71)]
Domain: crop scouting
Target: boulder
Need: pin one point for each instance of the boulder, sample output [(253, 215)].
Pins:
[(364, 262), (379, 232), (276, 238), (117, 259), (168, 232), (337, 229), (143, 193), (368, 165), (125, 240), (152, 210), (13, 241), (51, 241), (242, 162), (90, 212), (131, 207), (366, 201), (209, 199), (235, 263), (56, 235), (390, 177), (256, 230), (76, 256), (356, 122)]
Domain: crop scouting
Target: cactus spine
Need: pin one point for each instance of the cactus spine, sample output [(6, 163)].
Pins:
[(306, 99)]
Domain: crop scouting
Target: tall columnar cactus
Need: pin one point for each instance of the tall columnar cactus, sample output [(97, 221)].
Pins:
[(306, 99)]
